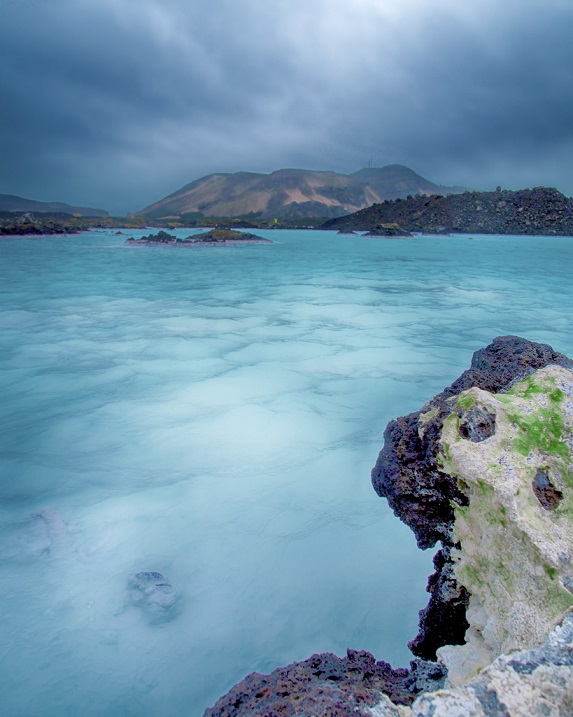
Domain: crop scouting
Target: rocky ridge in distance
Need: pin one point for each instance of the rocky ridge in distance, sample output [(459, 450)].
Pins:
[(13, 204), (539, 211)]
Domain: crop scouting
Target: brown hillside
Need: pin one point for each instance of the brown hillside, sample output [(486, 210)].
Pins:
[(292, 193)]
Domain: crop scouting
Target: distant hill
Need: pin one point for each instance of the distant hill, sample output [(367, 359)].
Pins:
[(12, 203), (292, 193), (528, 211)]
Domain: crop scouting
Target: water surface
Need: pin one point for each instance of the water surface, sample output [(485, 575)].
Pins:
[(213, 414)]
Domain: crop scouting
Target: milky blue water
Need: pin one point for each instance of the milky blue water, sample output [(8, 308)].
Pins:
[(213, 414)]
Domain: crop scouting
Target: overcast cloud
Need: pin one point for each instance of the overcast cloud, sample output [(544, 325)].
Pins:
[(117, 103)]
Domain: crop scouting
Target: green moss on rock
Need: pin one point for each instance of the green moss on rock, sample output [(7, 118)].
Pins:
[(465, 400), (515, 553), (541, 431)]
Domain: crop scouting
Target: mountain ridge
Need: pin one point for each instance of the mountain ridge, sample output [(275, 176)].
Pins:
[(14, 204), (292, 193)]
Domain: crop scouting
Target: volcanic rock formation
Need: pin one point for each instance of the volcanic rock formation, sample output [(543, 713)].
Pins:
[(485, 467), (215, 237), (540, 210)]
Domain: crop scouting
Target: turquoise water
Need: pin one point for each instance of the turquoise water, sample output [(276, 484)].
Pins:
[(213, 414)]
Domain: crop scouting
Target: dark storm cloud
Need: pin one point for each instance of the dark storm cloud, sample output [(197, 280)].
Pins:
[(478, 100), (117, 103)]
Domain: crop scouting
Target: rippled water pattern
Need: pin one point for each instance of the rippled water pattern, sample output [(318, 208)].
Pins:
[(213, 415)]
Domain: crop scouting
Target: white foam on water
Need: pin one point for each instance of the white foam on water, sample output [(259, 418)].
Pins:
[(213, 416)]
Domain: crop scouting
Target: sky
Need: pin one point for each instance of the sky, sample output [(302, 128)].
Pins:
[(117, 103)]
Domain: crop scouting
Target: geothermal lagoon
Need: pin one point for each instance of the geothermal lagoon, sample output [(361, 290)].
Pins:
[(213, 416)]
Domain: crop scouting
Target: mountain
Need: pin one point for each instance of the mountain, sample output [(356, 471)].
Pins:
[(12, 203), (292, 193), (541, 210)]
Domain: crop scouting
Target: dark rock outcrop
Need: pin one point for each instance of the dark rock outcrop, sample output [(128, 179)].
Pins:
[(162, 238), (546, 493), (533, 682), (327, 685), (408, 474), (443, 620), (28, 224), (214, 237), (476, 424), (541, 210), (223, 235), (388, 230)]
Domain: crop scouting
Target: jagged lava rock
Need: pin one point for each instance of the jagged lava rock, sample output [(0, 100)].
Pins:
[(486, 468), (388, 230), (541, 210), (409, 474), (528, 683), (220, 236), (28, 224), (326, 685), (226, 237)]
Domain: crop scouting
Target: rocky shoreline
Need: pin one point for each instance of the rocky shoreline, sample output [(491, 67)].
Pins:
[(538, 211), (29, 225), (485, 469)]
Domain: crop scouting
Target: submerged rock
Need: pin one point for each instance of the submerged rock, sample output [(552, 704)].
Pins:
[(32, 536), (153, 593)]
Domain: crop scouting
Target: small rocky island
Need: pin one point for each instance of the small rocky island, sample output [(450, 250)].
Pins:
[(388, 230), (214, 237), (380, 230), (485, 468)]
